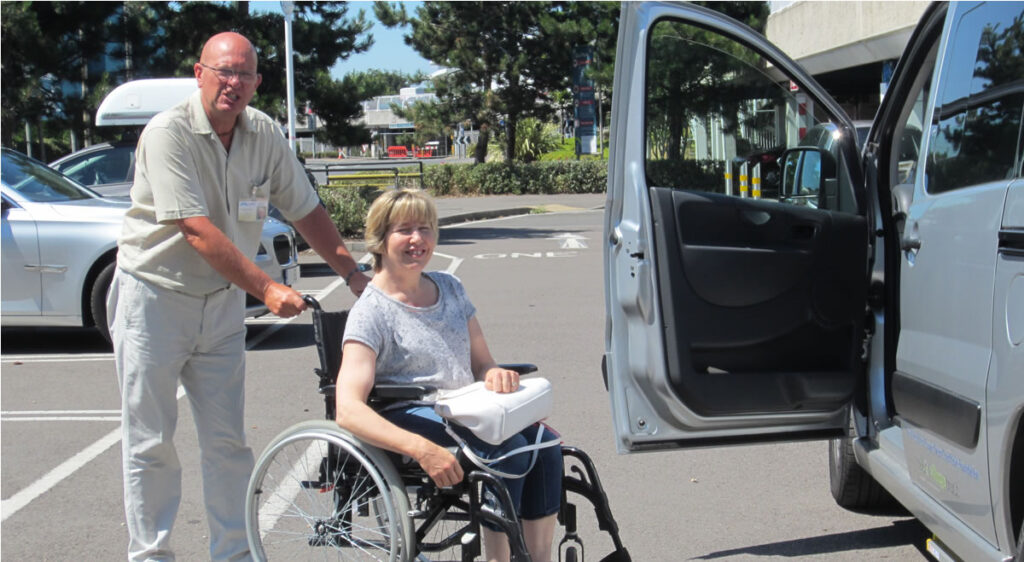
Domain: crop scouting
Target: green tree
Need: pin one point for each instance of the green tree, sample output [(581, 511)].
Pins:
[(506, 59), (48, 47)]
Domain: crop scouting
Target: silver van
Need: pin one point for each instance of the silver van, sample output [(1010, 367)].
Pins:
[(886, 316)]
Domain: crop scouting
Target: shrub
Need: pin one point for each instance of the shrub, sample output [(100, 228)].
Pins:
[(502, 178), (348, 206)]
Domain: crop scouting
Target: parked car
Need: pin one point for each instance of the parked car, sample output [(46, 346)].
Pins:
[(887, 318), (59, 245), (108, 168)]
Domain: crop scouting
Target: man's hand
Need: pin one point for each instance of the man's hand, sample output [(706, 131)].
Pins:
[(357, 283), (501, 380), (283, 301)]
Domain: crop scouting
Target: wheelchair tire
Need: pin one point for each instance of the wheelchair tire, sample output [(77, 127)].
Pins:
[(317, 487)]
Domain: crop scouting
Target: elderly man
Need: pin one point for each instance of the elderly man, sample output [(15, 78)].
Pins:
[(206, 171)]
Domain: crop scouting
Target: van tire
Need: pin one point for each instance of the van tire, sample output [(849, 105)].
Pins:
[(852, 487), (98, 299)]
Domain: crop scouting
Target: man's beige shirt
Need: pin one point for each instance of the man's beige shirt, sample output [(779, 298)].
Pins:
[(182, 170)]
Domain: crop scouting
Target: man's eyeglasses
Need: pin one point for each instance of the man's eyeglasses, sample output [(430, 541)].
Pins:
[(226, 74)]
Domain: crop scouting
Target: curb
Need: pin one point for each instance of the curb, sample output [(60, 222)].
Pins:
[(481, 215), (358, 245)]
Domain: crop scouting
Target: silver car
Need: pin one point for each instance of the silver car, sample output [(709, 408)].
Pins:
[(59, 244)]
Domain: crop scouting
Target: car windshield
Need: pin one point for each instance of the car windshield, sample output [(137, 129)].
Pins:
[(36, 182)]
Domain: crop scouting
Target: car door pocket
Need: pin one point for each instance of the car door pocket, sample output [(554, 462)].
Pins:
[(803, 231)]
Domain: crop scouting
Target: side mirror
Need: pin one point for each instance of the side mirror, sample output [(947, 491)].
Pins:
[(805, 169)]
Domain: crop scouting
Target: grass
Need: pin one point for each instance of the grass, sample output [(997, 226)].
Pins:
[(567, 151)]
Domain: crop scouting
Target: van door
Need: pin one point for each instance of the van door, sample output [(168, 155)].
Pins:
[(735, 308), (951, 245)]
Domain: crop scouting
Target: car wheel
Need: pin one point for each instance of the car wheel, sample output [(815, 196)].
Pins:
[(852, 487), (98, 298)]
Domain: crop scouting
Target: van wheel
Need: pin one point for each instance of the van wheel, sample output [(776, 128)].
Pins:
[(852, 487), (98, 299)]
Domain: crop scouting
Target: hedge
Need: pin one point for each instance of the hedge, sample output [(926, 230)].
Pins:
[(348, 204)]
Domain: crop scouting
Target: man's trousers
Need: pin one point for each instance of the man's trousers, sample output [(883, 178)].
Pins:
[(163, 338)]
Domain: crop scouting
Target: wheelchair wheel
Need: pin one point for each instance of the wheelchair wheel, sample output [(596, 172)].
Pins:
[(317, 492)]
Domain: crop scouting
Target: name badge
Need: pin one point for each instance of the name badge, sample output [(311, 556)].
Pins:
[(250, 210), (255, 207)]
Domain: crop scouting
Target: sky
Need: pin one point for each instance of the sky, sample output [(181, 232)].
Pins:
[(388, 52)]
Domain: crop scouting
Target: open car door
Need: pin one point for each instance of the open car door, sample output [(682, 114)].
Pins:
[(737, 256)]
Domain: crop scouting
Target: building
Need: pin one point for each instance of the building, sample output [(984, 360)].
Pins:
[(850, 48)]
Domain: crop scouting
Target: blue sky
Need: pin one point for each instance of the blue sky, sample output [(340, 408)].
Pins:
[(388, 52)]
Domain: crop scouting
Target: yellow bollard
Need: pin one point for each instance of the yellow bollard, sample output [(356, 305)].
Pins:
[(755, 182), (744, 190)]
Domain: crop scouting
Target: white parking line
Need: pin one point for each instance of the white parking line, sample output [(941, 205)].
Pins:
[(63, 418), (55, 358), (25, 496), (60, 415)]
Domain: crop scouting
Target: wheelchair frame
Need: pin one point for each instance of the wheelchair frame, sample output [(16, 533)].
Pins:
[(377, 503)]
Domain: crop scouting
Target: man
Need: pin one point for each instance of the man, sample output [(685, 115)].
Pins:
[(205, 172)]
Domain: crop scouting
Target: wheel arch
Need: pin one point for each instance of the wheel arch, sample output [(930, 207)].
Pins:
[(105, 259)]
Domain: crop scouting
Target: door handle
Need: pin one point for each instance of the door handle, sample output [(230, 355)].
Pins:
[(910, 241)]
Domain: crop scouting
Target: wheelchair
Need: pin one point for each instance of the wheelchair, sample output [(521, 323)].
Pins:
[(317, 492)]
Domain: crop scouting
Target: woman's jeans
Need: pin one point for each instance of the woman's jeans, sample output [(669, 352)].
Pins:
[(536, 495)]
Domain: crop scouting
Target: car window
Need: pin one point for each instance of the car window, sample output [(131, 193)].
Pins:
[(37, 182), (713, 105), (977, 119), (110, 165)]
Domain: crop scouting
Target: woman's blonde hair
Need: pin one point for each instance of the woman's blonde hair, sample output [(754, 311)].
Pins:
[(394, 207)]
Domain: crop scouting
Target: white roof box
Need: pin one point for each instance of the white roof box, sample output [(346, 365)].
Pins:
[(136, 102)]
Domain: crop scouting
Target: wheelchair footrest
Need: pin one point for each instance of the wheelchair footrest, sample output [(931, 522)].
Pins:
[(580, 477)]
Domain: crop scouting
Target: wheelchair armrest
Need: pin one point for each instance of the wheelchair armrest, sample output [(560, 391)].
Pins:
[(521, 368), (395, 392)]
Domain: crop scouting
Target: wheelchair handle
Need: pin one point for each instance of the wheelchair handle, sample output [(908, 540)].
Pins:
[(313, 303)]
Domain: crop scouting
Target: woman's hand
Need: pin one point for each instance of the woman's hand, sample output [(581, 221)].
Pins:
[(440, 464), (501, 380)]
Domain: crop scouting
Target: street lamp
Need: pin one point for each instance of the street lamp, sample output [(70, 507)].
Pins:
[(288, 8)]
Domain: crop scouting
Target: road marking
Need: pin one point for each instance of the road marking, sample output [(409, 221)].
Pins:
[(23, 497), (116, 418), (518, 255), (55, 358), (454, 265), (282, 499), (570, 241), (60, 415)]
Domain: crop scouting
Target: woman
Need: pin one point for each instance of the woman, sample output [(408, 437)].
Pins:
[(411, 327)]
